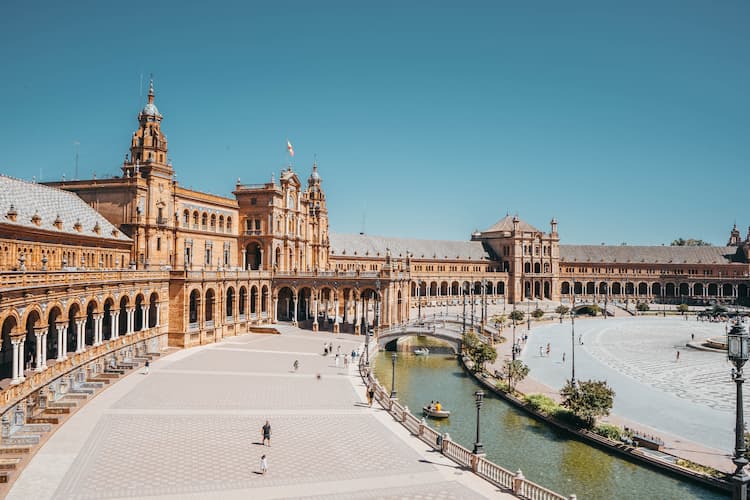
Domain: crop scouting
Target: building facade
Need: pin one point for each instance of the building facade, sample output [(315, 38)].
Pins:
[(91, 269)]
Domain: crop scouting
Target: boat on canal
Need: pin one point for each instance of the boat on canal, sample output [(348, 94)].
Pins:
[(421, 351), (433, 413)]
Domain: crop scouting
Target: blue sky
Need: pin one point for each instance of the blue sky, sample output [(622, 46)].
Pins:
[(628, 121)]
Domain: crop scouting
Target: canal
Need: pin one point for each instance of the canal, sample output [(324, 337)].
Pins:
[(515, 441)]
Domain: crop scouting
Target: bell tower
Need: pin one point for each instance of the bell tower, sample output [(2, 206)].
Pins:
[(148, 147), (318, 217)]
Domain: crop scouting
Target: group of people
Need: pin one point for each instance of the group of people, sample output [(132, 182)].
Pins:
[(435, 406)]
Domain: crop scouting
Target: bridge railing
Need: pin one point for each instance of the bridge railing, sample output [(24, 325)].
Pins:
[(486, 469)]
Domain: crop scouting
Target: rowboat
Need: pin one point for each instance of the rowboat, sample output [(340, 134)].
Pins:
[(434, 413), (421, 351)]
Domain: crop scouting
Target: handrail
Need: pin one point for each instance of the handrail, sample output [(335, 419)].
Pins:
[(487, 470)]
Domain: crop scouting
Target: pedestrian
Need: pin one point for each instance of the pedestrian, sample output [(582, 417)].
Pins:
[(146, 368), (563, 357), (678, 356), (325, 349), (263, 464), (541, 351), (266, 431), (580, 339), (370, 394), (346, 361), (692, 336), (296, 365), (548, 349), (337, 360)]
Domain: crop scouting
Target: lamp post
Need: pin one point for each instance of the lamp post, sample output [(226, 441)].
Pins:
[(478, 447), (573, 340), (465, 291), (419, 302), (393, 375), (471, 292), (483, 304), (737, 349), (606, 297)]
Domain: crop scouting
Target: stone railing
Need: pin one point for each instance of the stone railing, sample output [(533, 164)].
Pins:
[(15, 393), (515, 483), (16, 279)]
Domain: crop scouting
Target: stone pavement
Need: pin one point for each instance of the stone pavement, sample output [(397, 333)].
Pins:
[(688, 403), (192, 429)]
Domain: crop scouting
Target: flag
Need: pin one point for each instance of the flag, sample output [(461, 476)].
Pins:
[(289, 148)]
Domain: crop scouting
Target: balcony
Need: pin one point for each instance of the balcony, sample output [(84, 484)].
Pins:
[(162, 221)]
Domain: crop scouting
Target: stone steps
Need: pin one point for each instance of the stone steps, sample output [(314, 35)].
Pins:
[(9, 463), (22, 440), (95, 385), (36, 427), (14, 450), (99, 380), (61, 404), (76, 396), (43, 420), (56, 411)]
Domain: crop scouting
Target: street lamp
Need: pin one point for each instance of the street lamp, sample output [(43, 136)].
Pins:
[(573, 339), (478, 448), (393, 375), (419, 302), (737, 349), (464, 289)]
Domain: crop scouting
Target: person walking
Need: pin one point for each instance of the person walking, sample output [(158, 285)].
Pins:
[(548, 349), (678, 356), (146, 368), (263, 465), (337, 360), (370, 395), (296, 365), (563, 357), (266, 431)]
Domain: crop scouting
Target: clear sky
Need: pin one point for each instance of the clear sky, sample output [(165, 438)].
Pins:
[(628, 121)]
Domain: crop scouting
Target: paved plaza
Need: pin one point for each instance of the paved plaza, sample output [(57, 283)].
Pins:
[(192, 429), (691, 397)]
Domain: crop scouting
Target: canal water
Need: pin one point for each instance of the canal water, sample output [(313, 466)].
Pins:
[(515, 441)]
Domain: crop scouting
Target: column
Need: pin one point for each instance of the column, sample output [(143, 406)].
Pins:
[(356, 316), (158, 314), (21, 360), (336, 327), (62, 341), (38, 336), (80, 339), (315, 311), (98, 324), (130, 320), (295, 297), (15, 380), (144, 315), (114, 321), (244, 259), (45, 332), (275, 309)]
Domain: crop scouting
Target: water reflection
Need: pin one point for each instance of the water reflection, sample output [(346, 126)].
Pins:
[(516, 441)]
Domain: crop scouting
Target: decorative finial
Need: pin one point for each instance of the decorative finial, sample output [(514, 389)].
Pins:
[(151, 89)]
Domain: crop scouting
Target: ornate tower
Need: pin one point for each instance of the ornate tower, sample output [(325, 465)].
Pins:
[(734, 237), (318, 217), (148, 147)]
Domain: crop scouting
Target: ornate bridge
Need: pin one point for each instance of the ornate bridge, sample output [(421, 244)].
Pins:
[(446, 330)]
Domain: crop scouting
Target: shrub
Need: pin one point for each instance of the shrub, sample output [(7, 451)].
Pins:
[(537, 314), (542, 403), (609, 431), (642, 307)]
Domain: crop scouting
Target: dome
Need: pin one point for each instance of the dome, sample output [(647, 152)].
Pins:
[(150, 109), (314, 176)]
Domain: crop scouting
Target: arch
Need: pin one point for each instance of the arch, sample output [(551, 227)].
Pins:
[(213, 222), (603, 288), (537, 289), (547, 290), (242, 302), (489, 288), (670, 290), (138, 323), (221, 223), (713, 289), (727, 290), (742, 291), (616, 288), (546, 267), (285, 302), (590, 288), (229, 224), (454, 288), (204, 221), (277, 258), (210, 300), (537, 267), (253, 299), (55, 313), (195, 297), (527, 289), (629, 288), (477, 288), (642, 289), (88, 329), (10, 325), (264, 299), (33, 320), (684, 290), (153, 310), (196, 219), (527, 267), (443, 288), (578, 288), (656, 289), (230, 303), (500, 288), (253, 256), (123, 319), (433, 289), (109, 304), (698, 289), (73, 312), (564, 288), (186, 218)]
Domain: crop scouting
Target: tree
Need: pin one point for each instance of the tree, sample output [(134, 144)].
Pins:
[(516, 316), (482, 354), (498, 320), (682, 308), (537, 314), (690, 242), (588, 399), (516, 371), (642, 307)]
